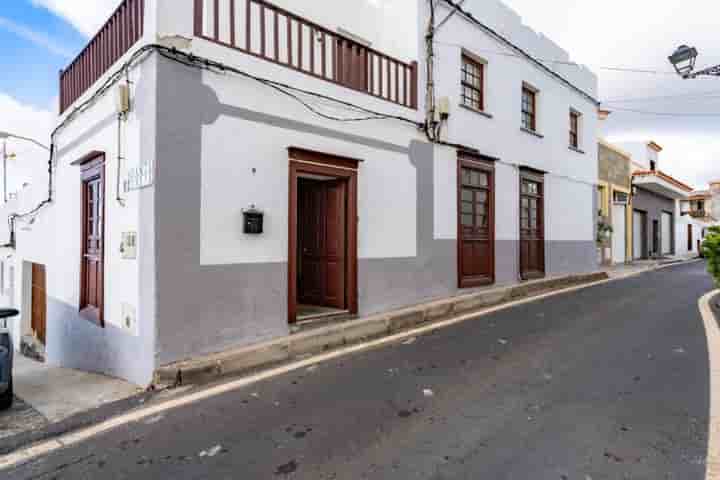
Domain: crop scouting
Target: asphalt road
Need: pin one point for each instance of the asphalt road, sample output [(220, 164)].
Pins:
[(610, 382)]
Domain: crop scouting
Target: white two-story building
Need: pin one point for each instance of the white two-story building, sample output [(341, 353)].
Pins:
[(226, 169)]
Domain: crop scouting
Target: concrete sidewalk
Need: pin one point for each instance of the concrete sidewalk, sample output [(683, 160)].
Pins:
[(58, 393), (49, 398), (640, 266)]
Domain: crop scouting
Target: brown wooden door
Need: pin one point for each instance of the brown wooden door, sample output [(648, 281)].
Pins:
[(476, 252), (39, 302), (322, 234), (92, 289), (532, 229)]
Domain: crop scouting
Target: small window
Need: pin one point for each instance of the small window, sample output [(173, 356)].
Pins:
[(529, 108), (473, 73), (574, 129), (620, 198)]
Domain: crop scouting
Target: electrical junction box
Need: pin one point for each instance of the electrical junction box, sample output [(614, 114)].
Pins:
[(123, 99), (128, 245), (444, 108)]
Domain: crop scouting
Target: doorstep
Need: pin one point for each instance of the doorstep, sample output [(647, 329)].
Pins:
[(243, 360)]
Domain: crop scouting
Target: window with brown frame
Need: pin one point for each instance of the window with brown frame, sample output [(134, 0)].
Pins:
[(574, 129), (473, 73), (529, 108)]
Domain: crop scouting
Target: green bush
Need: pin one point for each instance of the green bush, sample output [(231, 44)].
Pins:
[(711, 251)]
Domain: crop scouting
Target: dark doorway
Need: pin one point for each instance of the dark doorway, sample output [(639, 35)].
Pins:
[(655, 238), (476, 222), (39, 303), (690, 238), (532, 226), (322, 258), (322, 243)]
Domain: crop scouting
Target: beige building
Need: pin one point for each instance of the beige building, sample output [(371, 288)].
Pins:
[(615, 204)]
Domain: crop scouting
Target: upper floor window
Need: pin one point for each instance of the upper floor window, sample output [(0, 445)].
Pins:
[(529, 108), (473, 73), (574, 129)]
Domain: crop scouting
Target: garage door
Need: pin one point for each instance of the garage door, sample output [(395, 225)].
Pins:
[(666, 233), (619, 233), (638, 234)]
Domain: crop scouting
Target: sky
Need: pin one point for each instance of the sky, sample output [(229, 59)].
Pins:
[(641, 34), (39, 37)]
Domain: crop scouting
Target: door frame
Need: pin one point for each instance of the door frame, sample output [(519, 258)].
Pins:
[(533, 175), (92, 166), (343, 168), (487, 165)]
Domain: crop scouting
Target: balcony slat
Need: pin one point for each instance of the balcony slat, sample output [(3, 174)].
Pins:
[(122, 30), (342, 60)]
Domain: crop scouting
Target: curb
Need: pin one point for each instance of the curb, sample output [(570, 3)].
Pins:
[(243, 360), (712, 332)]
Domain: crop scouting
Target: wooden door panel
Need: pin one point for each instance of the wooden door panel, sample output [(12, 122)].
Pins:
[(476, 239), (39, 302), (93, 242), (532, 228), (336, 244), (322, 234)]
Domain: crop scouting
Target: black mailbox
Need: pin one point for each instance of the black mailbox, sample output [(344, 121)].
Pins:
[(253, 221)]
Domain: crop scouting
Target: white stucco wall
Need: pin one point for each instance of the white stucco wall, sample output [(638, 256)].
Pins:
[(571, 176), (387, 227), (641, 153), (53, 238)]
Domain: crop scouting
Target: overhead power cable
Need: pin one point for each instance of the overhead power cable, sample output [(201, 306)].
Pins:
[(665, 114), (203, 63), (699, 95), (567, 62)]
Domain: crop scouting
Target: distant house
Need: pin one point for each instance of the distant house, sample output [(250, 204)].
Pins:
[(656, 197), (616, 203), (697, 214)]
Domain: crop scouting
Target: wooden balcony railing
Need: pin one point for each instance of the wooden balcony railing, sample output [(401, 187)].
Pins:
[(114, 39), (259, 28)]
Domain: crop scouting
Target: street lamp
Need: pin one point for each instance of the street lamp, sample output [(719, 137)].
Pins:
[(684, 62), (5, 156)]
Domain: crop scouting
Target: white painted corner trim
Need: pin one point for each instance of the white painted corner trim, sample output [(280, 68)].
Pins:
[(712, 332)]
